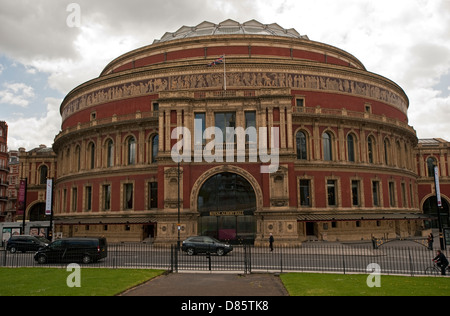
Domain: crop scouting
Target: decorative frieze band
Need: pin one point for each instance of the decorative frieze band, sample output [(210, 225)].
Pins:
[(235, 80)]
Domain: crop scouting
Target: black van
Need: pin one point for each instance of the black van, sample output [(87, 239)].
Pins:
[(26, 243), (85, 250)]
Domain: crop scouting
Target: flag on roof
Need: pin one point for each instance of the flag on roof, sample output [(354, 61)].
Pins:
[(216, 62)]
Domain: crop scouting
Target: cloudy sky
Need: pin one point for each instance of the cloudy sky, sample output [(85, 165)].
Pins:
[(44, 53)]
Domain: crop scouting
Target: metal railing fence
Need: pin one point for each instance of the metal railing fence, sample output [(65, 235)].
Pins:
[(322, 258)]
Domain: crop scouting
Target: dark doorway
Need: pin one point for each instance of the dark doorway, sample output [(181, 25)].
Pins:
[(226, 203), (310, 231), (37, 213), (430, 208)]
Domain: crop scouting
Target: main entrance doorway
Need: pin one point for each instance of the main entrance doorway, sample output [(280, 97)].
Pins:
[(227, 203)]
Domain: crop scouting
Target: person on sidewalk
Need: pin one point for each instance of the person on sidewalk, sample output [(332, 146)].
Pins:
[(430, 240), (271, 240)]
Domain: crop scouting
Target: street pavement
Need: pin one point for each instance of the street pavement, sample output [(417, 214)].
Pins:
[(211, 284)]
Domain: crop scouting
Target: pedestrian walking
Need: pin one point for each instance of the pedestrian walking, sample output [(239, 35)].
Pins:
[(430, 240), (271, 240)]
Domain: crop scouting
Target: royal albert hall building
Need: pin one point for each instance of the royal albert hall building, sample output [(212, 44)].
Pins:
[(346, 154)]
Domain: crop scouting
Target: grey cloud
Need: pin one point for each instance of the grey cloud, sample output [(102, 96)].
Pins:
[(31, 29)]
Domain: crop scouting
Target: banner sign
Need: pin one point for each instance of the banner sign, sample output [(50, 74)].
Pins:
[(22, 197), (438, 189), (48, 200)]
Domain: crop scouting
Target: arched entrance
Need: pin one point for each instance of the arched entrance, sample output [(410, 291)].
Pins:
[(430, 208), (226, 203), (37, 213)]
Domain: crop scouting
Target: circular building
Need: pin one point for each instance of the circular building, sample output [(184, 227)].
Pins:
[(274, 133)]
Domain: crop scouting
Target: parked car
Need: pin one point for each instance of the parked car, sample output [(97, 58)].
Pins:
[(205, 244), (85, 250), (26, 243)]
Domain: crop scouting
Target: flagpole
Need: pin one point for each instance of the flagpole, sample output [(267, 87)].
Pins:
[(224, 73)]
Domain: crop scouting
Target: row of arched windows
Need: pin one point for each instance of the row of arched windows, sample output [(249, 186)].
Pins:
[(128, 152), (387, 156)]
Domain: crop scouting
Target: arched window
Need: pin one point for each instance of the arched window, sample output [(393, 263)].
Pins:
[(431, 162), (387, 148), (131, 149), (351, 147), (370, 149), (155, 146), (109, 153), (43, 173), (302, 152), (327, 147), (91, 152), (78, 157)]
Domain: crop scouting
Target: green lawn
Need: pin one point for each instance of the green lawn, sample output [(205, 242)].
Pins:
[(308, 284), (53, 282)]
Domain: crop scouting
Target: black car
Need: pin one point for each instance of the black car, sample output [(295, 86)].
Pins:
[(205, 244), (26, 243), (85, 250)]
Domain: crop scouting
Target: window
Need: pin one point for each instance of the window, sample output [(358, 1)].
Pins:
[(331, 192), (43, 173), (78, 157), (128, 196), (224, 120), (351, 148), (155, 145), (392, 194), (376, 193), (74, 199), (327, 148), (404, 200), (299, 104), (302, 153), (64, 201), (199, 129), (305, 195), (155, 107), (370, 149), (91, 151), (431, 162), (387, 148), (355, 193), (106, 197), (153, 195), (88, 197), (131, 149), (250, 121), (109, 153)]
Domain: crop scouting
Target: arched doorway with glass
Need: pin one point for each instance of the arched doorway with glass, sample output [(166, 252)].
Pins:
[(430, 208), (227, 203)]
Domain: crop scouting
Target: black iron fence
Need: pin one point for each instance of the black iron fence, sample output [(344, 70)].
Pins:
[(320, 257)]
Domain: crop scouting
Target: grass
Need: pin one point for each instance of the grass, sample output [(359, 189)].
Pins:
[(308, 284), (53, 281), (109, 282)]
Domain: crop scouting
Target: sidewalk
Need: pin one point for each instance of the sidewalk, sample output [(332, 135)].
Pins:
[(210, 284)]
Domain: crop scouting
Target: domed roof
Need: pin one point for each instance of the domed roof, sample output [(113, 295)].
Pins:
[(230, 27)]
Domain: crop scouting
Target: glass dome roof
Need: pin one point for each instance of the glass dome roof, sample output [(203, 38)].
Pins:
[(230, 27)]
